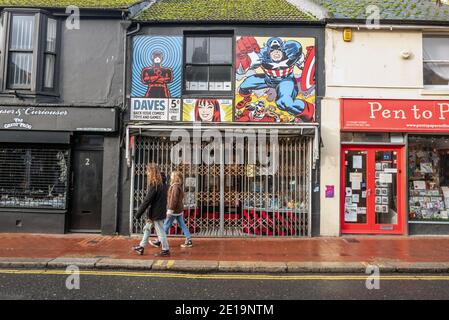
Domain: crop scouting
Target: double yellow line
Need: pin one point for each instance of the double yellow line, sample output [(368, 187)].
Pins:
[(100, 273)]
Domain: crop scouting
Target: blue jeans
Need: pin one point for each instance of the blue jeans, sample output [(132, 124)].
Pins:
[(169, 222), (161, 234)]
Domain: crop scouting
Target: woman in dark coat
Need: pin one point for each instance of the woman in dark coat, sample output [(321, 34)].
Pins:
[(155, 203)]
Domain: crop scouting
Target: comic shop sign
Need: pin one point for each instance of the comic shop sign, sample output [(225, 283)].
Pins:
[(144, 109), (395, 115)]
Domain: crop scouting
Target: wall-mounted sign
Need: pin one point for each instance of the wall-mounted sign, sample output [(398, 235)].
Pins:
[(395, 115), (275, 79), (330, 191), (207, 110), (144, 109), (156, 78), (58, 118)]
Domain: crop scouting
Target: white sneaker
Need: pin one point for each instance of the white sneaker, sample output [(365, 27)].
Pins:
[(187, 244)]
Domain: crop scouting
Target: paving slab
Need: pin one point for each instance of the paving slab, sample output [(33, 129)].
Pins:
[(64, 262), (252, 267), (132, 264), (24, 262)]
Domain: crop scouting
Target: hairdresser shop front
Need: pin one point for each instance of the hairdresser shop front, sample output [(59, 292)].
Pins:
[(395, 166)]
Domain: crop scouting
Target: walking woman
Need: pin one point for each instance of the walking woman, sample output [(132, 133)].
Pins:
[(156, 201), (175, 208)]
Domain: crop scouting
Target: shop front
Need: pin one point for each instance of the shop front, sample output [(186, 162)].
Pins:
[(394, 164), (243, 182), (238, 117), (51, 167)]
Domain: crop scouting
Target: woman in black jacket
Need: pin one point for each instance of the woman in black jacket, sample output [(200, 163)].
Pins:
[(156, 201)]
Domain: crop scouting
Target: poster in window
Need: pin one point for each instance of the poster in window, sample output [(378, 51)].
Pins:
[(156, 78), (207, 110), (351, 213), (275, 79)]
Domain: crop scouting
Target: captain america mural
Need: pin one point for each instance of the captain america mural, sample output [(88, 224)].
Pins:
[(277, 73)]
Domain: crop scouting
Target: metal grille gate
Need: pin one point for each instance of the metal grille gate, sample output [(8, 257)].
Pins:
[(234, 200), (33, 178)]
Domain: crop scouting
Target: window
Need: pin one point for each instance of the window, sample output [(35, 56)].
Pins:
[(31, 46), (208, 64), (50, 54), (436, 60), (428, 178), (21, 46), (33, 178)]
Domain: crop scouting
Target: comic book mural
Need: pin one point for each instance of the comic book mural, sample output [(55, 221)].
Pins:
[(275, 79), (207, 110), (156, 78)]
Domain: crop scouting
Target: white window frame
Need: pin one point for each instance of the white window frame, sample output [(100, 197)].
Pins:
[(429, 86)]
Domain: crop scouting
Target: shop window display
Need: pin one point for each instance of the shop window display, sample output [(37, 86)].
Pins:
[(429, 178), (33, 178)]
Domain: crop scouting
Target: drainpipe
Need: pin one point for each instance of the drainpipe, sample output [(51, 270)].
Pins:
[(125, 69), (125, 61)]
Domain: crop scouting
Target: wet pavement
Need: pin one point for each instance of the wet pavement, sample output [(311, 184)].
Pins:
[(345, 249)]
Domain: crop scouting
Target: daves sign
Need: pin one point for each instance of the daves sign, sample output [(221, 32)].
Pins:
[(146, 109), (395, 115)]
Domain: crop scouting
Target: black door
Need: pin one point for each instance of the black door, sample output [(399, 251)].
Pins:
[(86, 190)]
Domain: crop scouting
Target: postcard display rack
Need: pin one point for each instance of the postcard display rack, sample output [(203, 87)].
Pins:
[(428, 199)]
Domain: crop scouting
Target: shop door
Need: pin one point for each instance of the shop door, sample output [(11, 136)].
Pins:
[(86, 189), (372, 195)]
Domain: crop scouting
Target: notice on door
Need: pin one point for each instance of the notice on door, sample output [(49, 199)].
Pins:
[(385, 178), (351, 212), (357, 162), (356, 179)]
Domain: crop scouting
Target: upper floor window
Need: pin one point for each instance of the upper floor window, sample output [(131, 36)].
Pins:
[(208, 65), (30, 44), (436, 60), (21, 47)]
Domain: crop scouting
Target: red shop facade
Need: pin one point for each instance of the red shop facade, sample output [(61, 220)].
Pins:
[(394, 166)]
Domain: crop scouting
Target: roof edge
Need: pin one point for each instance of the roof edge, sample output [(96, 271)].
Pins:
[(228, 22), (389, 21), (53, 7)]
